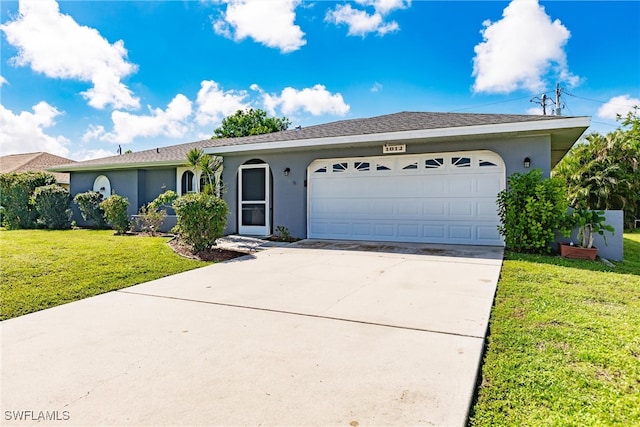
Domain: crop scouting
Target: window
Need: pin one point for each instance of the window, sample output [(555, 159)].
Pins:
[(461, 162), (434, 163), (485, 163), (382, 167), (411, 166), (322, 169), (340, 167), (187, 182), (362, 166)]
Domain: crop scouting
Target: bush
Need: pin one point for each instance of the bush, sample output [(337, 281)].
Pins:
[(164, 199), (201, 220), (89, 204), (115, 211), (149, 219), (16, 194), (531, 210), (151, 216), (52, 204)]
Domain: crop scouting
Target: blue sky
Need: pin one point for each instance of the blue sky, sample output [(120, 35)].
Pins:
[(80, 78)]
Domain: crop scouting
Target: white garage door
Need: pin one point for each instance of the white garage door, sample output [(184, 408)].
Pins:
[(431, 198)]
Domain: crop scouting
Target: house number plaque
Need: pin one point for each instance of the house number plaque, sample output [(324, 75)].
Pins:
[(394, 148)]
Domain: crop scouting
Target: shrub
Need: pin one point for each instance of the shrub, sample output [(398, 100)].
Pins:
[(201, 220), (52, 204), (115, 211), (164, 199), (151, 216), (531, 210), (149, 219), (89, 204), (16, 193)]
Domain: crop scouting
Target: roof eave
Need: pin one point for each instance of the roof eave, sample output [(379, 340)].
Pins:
[(116, 166), (546, 126)]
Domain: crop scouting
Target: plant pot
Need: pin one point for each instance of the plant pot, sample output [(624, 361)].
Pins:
[(577, 252)]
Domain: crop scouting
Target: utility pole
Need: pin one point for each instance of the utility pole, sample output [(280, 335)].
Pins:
[(542, 100), (558, 110)]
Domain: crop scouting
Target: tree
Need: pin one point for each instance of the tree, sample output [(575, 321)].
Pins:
[(604, 171), (250, 122), (210, 166), (194, 157)]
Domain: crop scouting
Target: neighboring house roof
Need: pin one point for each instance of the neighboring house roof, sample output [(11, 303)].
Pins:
[(405, 126), (34, 162)]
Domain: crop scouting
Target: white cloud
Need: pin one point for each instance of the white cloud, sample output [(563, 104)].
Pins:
[(268, 22), (23, 133), (3, 81), (520, 49), (171, 122), (316, 101), (617, 105), (377, 87), (86, 154), (54, 44), (361, 22), (214, 103)]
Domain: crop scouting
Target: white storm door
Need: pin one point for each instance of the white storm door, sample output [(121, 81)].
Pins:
[(253, 196)]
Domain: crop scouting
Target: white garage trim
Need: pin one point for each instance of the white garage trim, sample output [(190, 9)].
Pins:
[(430, 198)]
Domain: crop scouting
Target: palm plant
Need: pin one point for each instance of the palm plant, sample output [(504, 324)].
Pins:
[(194, 160), (211, 167), (603, 173)]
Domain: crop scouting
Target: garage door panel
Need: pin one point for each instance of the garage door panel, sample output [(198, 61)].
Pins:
[(411, 231), (461, 185), (437, 198), (462, 208)]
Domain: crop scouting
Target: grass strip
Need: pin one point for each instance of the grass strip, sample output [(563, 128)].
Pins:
[(564, 343), (41, 269)]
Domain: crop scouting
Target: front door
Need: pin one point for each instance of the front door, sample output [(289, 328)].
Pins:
[(253, 196)]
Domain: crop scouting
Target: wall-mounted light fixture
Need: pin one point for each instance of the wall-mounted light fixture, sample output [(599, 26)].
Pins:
[(527, 162), (286, 172)]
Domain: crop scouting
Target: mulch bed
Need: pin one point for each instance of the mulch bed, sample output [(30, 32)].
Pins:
[(213, 254)]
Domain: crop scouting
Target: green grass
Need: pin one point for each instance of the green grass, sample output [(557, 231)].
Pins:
[(564, 344), (41, 269)]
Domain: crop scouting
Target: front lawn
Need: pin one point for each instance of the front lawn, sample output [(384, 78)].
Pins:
[(41, 269), (564, 343)]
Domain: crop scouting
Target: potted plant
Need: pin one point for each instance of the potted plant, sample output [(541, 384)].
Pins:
[(588, 223)]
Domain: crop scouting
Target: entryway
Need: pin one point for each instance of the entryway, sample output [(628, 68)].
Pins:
[(254, 199)]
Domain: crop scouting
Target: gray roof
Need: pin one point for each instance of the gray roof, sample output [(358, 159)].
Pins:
[(398, 122)]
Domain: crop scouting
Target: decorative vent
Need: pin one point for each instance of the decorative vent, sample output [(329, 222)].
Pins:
[(411, 166), (461, 162), (340, 167), (362, 166), (434, 163), (485, 163)]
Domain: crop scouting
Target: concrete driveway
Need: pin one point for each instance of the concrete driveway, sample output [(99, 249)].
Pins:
[(315, 333)]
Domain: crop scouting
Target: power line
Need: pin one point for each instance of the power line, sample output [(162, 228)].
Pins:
[(491, 103)]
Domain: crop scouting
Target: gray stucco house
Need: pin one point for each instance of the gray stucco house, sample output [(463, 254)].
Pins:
[(409, 176)]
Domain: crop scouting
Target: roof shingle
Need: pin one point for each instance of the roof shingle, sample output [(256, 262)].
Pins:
[(397, 122)]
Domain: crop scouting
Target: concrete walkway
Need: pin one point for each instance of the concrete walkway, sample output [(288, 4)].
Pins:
[(313, 333)]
